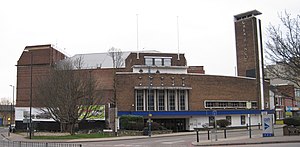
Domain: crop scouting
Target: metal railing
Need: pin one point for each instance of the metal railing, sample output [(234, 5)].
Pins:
[(4, 143)]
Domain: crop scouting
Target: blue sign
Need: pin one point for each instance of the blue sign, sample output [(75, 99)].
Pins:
[(268, 130), (289, 109), (266, 126), (214, 112)]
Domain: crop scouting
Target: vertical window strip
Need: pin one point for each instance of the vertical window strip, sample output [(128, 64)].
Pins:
[(151, 100), (139, 100), (182, 100), (161, 100), (172, 100)]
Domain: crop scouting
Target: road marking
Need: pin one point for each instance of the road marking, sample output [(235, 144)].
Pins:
[(173, 142), (127, 145)]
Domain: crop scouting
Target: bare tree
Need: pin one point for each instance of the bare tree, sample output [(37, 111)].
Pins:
[(5, 101), (117, 61), (116, 55), (283, 49), (67, 94)]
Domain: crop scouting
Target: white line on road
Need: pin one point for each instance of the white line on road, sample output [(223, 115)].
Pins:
[(125, 145), (173, 142)]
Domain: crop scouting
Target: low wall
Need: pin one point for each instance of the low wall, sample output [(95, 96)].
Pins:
[(141, 133)]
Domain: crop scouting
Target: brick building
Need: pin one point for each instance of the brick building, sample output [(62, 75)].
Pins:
[(178, 97), (160, 85)]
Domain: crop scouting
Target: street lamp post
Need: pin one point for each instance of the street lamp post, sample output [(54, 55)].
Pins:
[(215, 123), (30, 100), (12, 106), (149, 115), (249, 117), (13, 93)]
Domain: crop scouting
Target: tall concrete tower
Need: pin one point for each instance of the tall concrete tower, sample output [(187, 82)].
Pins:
[(249, 49)]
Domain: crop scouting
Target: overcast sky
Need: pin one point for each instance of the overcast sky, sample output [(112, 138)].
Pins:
[(206, 28)]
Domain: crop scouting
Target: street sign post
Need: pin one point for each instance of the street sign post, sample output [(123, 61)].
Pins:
[(268, 130)]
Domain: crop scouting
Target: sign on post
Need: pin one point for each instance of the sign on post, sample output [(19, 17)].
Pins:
[(268, 130)]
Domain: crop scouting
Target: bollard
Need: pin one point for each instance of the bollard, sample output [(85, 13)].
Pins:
[(208, 134), (225, 133), (197, 136)]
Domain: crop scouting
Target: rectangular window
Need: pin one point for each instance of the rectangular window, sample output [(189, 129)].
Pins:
[(167, 62), (242, 104), (243, 120), (151, 100), (228, 118), (139, 100), (209, 104), (211, 120), (254, 105), (236, 104), (181, 100), (171, 96), (149, 61), (227, 104), (158, 62), (161, 100), (297, 92)]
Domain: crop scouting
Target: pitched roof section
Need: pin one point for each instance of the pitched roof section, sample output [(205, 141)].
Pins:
[(102, 60)]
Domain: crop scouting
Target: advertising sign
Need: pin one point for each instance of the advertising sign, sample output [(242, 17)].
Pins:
[(289, 108), (268, 129), (97, 112)]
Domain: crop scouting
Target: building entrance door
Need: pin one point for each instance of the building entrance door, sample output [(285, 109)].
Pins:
[(176, 124)]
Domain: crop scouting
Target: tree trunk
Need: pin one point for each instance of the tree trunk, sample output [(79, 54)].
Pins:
[(63, 127), (72, 128)]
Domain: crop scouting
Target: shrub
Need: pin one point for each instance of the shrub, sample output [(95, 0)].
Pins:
[(131, 122), (295, 121), (155, 126), (222, 123)]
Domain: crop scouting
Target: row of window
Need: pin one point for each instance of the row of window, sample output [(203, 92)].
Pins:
[(211, 120), (229, 104), (161, 100), (158, 61)]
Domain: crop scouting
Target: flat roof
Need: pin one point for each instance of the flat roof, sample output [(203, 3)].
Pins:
[(247, 14)]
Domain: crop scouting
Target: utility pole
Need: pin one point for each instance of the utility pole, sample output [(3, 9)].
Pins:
[(12, 108), (30, 100), (149, 115)]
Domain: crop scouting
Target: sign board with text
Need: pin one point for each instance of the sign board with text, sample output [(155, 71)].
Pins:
[(267, 121)]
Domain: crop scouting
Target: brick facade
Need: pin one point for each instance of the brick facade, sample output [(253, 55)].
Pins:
[(40, 58), (202, 87)]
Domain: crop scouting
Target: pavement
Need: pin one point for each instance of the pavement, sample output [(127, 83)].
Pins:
[(240, 140), (245, 140)]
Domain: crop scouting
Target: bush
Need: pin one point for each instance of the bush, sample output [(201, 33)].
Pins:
[(131, 122), (295, 121), (156, 126), (223, 123)]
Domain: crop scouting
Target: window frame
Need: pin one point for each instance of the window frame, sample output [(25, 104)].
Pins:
[(139, 96), (243, 119), (171, 100)]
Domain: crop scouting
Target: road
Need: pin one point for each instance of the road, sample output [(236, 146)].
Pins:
[(3, 133), (271, 145), (173, 141)]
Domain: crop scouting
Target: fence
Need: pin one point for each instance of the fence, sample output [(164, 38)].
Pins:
[(4, 143)]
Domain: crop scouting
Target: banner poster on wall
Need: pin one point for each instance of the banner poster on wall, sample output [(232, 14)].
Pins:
[(97, 112)]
